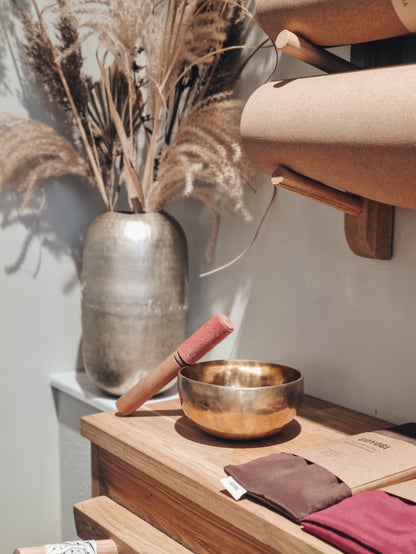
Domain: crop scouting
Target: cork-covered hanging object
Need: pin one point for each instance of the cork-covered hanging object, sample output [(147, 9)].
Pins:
[(337, 22), (352, 131)]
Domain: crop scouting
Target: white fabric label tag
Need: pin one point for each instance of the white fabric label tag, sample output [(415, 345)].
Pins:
[(406, 12), (234, 488), (72, 547)]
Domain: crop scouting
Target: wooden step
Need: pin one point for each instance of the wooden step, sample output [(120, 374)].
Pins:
[(102, 518)]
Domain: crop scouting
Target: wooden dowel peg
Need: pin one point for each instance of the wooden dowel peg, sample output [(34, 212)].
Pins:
[(98, 547), (343, 201), (306, 51)]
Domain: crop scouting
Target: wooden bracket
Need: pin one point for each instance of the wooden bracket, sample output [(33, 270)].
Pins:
[(300, 48), (370, 234), (368, 225), (344, 201)]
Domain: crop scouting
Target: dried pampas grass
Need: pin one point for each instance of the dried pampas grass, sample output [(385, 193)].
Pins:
[(39, 54), (33, 152), (205, 155), (123, 28), (160, 121), (205, 161)]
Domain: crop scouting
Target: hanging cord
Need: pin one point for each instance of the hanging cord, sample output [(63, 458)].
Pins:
[(251, 242)]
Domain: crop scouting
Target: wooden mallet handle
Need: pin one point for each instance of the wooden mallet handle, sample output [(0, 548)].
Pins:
[(102, 547), (188, 353)]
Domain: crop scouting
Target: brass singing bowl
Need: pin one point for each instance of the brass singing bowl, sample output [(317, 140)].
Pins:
[(240, 399)]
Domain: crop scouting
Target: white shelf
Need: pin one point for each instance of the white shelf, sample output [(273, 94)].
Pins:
[(79, 386)]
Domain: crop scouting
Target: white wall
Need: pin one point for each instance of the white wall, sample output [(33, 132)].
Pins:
[(40, 326), (298, 297)]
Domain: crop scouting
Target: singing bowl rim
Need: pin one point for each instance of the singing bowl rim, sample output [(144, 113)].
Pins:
[(221, 363)]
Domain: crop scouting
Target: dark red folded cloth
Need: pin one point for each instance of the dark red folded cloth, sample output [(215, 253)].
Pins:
[(371, 522), (289, 484)]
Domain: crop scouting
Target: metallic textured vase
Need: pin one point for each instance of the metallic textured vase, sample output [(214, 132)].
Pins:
[(134, 296)]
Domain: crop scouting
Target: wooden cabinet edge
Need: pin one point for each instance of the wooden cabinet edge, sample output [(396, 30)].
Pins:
[(103, 518)]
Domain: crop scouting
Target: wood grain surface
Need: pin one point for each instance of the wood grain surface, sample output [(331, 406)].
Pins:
[(103, 518), (162, 468)]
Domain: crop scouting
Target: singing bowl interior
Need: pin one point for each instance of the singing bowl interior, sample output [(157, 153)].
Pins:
[(240, 399)]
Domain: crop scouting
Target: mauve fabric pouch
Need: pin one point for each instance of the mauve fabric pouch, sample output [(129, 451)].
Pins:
[(289, 484), (370, 522)]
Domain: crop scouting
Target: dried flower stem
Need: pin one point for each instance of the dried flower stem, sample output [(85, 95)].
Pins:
[(134, 186), (253, 240), (205, 58), (157, 121), (90, 154)]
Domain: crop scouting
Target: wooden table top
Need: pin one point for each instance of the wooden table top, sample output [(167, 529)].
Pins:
[(161, 442)]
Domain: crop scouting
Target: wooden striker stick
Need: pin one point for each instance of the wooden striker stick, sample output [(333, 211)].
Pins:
[(306, 51), (188, 353), (103, 547)]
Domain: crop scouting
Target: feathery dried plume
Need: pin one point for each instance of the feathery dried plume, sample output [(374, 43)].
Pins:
[(204, 153), (72, 63), (222, 74), (40, 57), (33, 152), (205, 161), (123, 28), (158, 121)]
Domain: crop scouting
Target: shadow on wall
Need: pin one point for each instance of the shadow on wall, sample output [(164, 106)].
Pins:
[(60, 214), (228, 290), (22, 86), (8, 30), (60, 225)]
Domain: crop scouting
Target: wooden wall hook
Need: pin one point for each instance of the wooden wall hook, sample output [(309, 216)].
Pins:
[(300, 48), (368, 225), (344, 201)]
